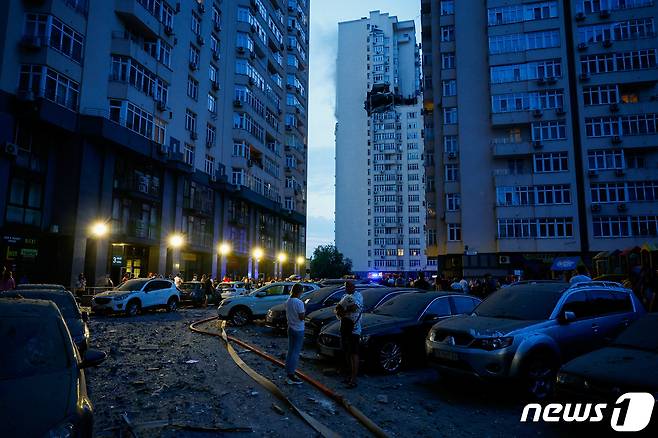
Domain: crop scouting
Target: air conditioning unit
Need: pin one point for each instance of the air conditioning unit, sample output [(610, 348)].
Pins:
[(237, 103), (452, 155), (504, 260), (560, 111), (215, 56), (169, 30), (619, 172), (614, 108), (288, 87), (11, 149), (288, 128), (162, 149), (541, 81), (604, 13), (215, 85), (161, 105), (199, 40), (607, 43), (194, 135), (584, 77), (32, 42), (622, 206), (250, 163), (252, 81), (582, 46), (209, 144), (595, 208), (194, 65), (537, 113), (537, 144), (580, 16), (551, 80), (593, 173), (252, 55), (616, 139), (241, 49)]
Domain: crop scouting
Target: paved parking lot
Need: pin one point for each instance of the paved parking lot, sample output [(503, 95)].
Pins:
[(157, 369)]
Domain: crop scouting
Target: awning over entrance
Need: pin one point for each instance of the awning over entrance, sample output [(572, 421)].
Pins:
[(565, 263), (602, 255), (627, 251), (650, 247)]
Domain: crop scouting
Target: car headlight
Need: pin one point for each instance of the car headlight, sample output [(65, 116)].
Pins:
[(62, 430), (432, 336), (307, 300), (121, 297), (490, 344), (569, 379), (224, 303)]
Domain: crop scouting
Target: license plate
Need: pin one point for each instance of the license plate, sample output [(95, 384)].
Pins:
[(447, 355)]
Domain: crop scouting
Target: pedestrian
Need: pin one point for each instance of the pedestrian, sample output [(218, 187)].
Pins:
[(399, 281), (464, 285), (647, 283), (349, 310), (295, 314), (580, 276), (421, 283), (81, 285), (7, 282), (108, 281), (178, 280)]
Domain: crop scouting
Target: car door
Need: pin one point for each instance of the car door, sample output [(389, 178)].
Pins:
[(577, 336), (610, 314), (274, 294), (148, 297), (160, 292), (438, 310)]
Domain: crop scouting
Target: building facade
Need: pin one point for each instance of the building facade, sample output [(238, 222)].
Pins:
[(380, 211), (156, 118), (541, 118)]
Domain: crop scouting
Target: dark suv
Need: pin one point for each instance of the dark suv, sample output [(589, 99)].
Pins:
[(527, 330)]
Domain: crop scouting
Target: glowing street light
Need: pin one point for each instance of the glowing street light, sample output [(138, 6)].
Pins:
[(176, 240), (257, 253), (224, 248), (282, 257), (100, 229), (301, 260)]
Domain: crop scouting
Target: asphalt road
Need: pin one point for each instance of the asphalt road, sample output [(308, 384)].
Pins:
[(157, 369)]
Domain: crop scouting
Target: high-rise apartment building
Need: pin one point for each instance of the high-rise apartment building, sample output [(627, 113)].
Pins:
[(380, 183), (158, 118), (542, 130)]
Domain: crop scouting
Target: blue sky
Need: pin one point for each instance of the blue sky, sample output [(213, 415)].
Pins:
[(325, 16)]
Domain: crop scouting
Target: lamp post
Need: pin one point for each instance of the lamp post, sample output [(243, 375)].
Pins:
[(98, 231), (299, 263), (257, 253), (176, 242), (224, 251), (282, 257)]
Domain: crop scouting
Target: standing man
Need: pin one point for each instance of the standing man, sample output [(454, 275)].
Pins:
[(421, 283), (178, 280), (349, 310), (295, 315)]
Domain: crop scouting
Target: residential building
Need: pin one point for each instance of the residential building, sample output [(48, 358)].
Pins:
[(380, 179), (157, 118), (556, 152)]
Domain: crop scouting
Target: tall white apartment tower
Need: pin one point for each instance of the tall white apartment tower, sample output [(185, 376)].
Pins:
[(380, 212)]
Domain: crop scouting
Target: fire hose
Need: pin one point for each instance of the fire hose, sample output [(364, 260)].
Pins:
[(270, 386)]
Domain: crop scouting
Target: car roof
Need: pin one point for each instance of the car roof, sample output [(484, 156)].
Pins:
[(22, 307), (185, 282), (539, 287), (26, 292), (40, 286)]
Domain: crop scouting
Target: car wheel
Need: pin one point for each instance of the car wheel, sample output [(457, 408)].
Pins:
[(133, 308), (389, 357), (240, 316), (172, 304), (539, 376)]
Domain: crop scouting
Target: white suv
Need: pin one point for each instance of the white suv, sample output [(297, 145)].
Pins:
[(232, 289), (240, 310), (134, 295)]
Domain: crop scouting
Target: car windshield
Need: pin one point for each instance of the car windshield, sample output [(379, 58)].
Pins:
[(528, 302), (64, 302), (408, 306), (317, 296), (372, 296), (30, 346), (641, 335), (132, 285), (229, 285), (189, 286)]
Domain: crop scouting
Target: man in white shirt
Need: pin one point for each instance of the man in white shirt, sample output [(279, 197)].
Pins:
[(349, 310), (295, 314)]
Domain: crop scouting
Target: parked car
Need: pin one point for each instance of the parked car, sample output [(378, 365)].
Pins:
[(193, 292), (232, 289), (372, 298), (42, 382), (242, 309), (628, 364), (76, 321), (394, 332), (527, 330), (321, 298), (136, 295), (39, 286), (341, 281)]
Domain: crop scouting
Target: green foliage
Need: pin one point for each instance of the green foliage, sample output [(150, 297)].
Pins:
[(328, 262)]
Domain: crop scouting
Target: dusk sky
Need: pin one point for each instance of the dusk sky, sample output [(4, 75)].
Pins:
[(325, 16)]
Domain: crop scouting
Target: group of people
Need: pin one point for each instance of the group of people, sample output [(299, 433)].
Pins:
[(348, 311)]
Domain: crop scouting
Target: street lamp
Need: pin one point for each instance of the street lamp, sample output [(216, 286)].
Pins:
[(299, 262), (282, 257), (176, 241), (224, 250), (100, 229), (257, 253)]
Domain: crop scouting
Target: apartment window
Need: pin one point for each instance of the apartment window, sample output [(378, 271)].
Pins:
[(617, 31), (216, 18), (510, 102), (289, 203), (238, 177), (214, 46), (413, 198), (192, 88), (601, 126), (159, 50), (452, 172), (45, 82), (449, 87), (414, 219), (453, 201), (414, 230), (195, 56), (551, 162), (159, 130), (24, 201), (190, 120), (600, 95), (212, 103), (211, 134), (524, 41), (447, 7), (413, 156), (596, 6), (447, 61), (132, 117), (447, 33), (188, 152), (413, 187), (603, 159), (241, 150), (603, 193), (552, 194), (549, 130), (413, 208), (639, 124), (639, 191), (535, 228), (623, 61), (412, 166), (524, 72), (450, 144), (196, 24), (210, 164), (212, 73), (450, 116), (520, 13), (66, 40), (454, 232), (159, 9), (128, 70)]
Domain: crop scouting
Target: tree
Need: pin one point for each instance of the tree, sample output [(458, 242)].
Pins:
[(328, 262)]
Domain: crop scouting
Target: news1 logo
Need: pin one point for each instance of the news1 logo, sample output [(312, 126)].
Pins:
[(630, 413)]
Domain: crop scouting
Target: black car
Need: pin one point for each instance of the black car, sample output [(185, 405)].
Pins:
[(395, 331), (42, 382), (628, 364), (193, 292), (316, 300), (76, 321), (372, 298)]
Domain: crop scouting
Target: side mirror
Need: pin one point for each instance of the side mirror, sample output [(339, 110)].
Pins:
[(93, 358), (566, 317), (85, 316), (429, 318), (261, 294)]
